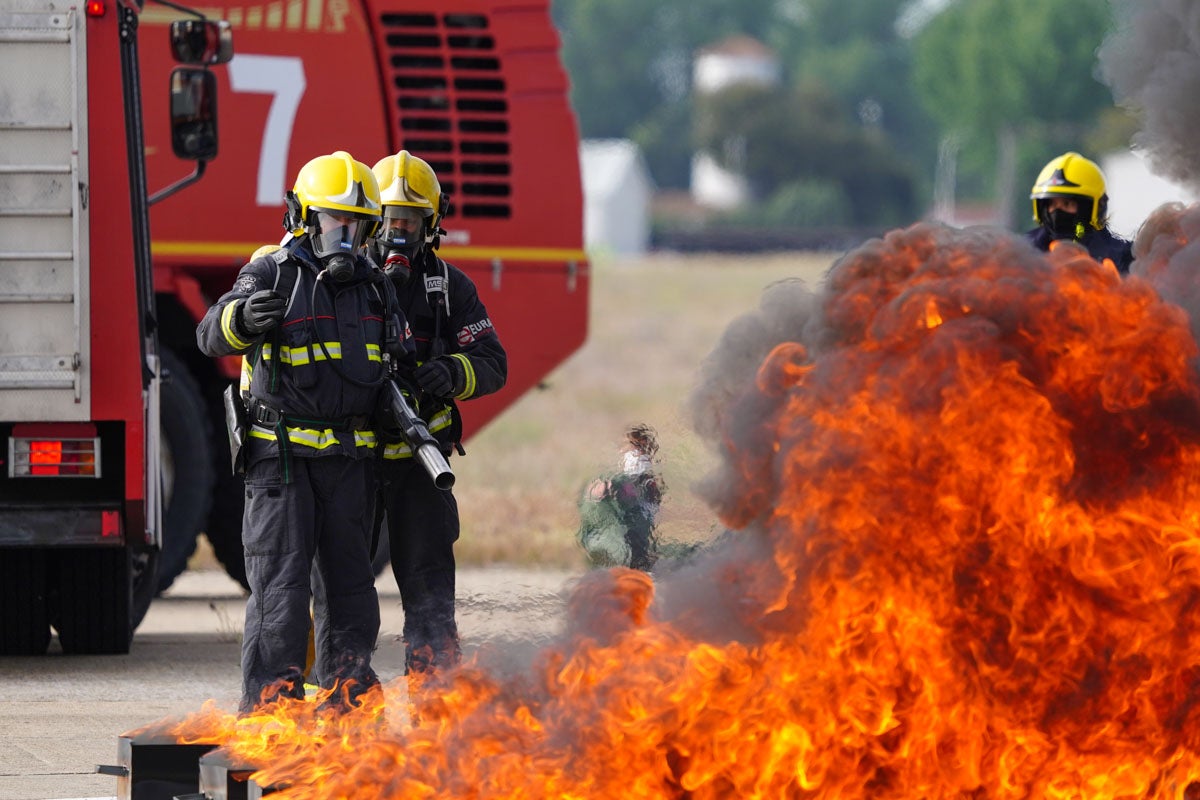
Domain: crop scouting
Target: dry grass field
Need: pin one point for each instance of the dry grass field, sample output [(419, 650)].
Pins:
[(653, 321)]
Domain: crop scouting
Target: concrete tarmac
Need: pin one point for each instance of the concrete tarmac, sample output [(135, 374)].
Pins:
[(62, 715)]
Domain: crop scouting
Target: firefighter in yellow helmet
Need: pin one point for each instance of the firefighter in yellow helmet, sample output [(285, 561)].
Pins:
[(1070, 202), (461, 358), (317, 324)]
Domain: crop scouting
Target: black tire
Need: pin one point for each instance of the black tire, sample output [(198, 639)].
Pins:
[(144, 565), (189, 472), (25, 620), (224, 528), (224, 531)]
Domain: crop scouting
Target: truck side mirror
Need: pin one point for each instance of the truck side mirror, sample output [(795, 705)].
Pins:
[(201, 41), (194, 113)]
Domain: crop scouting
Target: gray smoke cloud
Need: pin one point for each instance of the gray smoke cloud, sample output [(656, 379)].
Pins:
[(1152, 64)]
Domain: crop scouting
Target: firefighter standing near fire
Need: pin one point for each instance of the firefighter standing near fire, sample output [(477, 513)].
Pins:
[(316, 322), (1070, 203), (460, 358)]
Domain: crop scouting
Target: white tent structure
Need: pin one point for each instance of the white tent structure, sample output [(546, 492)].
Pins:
[(1134, 191), (735, 61), (616, 196)]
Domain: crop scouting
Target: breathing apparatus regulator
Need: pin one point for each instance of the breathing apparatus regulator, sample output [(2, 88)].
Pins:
[(413, 209)]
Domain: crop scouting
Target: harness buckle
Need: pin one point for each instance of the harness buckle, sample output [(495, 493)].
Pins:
[(264, 415)]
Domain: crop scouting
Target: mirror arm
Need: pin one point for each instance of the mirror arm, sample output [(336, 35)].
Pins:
[(163, 194)]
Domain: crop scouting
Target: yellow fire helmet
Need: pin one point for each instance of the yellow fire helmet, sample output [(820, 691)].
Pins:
[(405, 180), (335, 182), (1072, 175)]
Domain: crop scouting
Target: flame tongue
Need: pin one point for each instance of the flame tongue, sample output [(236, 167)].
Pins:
[(966, 478)]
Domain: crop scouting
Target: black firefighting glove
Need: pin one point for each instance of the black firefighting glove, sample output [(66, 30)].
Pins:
[(261, 311), (441, 377)]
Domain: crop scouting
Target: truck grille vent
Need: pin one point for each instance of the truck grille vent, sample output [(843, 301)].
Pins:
[(452, 106)]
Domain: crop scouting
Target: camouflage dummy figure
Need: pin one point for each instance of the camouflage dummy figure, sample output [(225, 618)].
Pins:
[(617, 512)]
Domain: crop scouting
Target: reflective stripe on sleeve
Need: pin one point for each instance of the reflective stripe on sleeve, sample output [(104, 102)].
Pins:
[(246, 376), (227, 327), (469, 373), (397, 450)]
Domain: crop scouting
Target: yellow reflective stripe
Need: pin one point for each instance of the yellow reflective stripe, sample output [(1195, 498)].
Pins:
[(296, 356), (299, 356), (227, 327), (316, 439), (469, 372), (334, 349), (397, 450), (246, 376), (373, 352), (440, 420)]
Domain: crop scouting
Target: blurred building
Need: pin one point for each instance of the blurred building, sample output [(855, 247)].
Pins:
[(735, 61), (1134, 191), (616, 196)]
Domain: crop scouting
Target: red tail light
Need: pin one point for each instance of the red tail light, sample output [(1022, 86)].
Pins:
[(54, 451), (95, 8), (45, 458)]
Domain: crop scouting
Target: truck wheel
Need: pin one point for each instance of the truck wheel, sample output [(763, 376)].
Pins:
[(144, 566), (24, 618), (224, 528), (188, 470)]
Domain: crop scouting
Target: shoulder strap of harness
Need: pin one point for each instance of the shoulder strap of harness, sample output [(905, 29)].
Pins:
[(287, 278), (437, 293), (287, 274)]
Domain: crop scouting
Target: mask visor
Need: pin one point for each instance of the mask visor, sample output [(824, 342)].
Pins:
[(334, 232), (403, 227)]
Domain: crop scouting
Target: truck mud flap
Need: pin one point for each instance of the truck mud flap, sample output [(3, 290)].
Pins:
[(24, 614), (92, 600)]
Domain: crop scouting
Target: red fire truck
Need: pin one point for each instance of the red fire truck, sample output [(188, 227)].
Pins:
[(102, 280)]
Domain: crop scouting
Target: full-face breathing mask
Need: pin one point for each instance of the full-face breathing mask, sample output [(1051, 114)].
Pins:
[(336, 238), (399, 241)]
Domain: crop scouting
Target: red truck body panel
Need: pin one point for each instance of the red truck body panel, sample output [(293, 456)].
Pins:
[(115, 347), (475, 88)]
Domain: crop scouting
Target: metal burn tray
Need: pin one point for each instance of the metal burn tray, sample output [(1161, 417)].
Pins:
[(224, 777), (154, 766)]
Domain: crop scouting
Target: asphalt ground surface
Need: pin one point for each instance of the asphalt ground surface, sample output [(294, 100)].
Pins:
[(61, 715)]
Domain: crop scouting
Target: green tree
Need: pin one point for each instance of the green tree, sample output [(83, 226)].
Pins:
[(802, 150), (863, 54), (1013, 81), (630, 64)]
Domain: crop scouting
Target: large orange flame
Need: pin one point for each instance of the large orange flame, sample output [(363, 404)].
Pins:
[(967, 565)]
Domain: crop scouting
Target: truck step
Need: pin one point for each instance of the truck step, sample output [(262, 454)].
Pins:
[(39, 372), (35, 169), (35, 212), (45, 255)]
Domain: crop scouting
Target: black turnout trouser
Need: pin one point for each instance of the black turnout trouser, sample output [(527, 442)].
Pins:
[(423, 525), (325, 511)]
